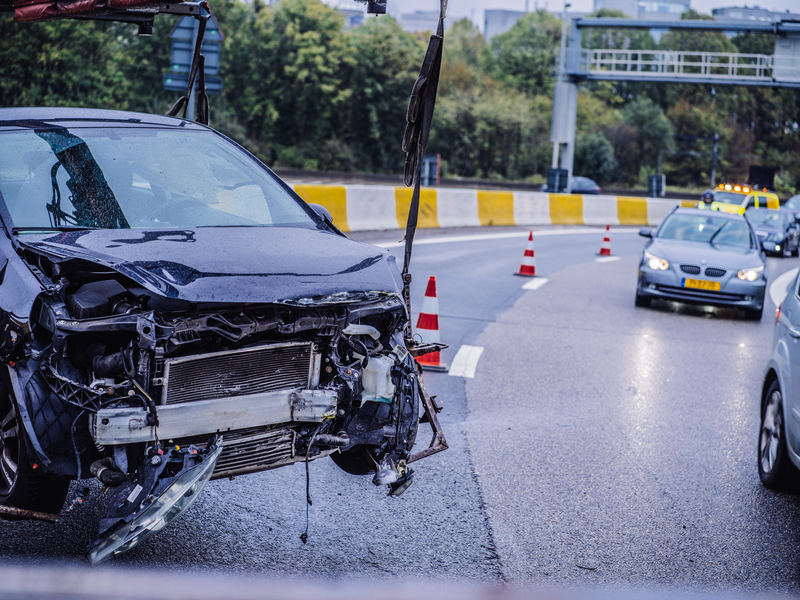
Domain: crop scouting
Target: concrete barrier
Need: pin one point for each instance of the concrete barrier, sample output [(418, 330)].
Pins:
[(377, 207)]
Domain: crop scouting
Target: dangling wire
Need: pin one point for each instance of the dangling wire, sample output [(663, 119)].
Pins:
[(78, 496), (304, 535)]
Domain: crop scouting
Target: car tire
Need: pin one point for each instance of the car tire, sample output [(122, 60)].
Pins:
[(643, 301), (774, 467), (796, 251), (754, 314), (20, 486)]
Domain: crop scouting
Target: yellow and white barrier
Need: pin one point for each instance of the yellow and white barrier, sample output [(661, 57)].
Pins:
[(375, 207)]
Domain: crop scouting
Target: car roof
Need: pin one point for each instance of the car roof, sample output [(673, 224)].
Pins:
[(87, 117)]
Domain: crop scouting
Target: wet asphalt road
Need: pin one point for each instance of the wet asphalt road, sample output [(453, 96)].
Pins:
[(599, 444)]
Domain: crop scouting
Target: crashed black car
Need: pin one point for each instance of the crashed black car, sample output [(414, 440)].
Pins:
[(172, 312)]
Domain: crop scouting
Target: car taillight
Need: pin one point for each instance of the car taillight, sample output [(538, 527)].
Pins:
[(778, 313)]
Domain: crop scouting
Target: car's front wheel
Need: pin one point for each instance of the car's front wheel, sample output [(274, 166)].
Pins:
[(643, 301), (20, 486), (774, 467)]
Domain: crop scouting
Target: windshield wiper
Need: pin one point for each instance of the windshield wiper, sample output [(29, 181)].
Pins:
[(16, 230), (724, 225)]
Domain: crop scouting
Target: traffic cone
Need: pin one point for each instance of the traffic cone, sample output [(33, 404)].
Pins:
[(528, 266), (605, 248), (428, 328)]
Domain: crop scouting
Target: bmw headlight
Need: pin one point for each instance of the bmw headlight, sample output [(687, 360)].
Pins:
[(750, 274), (656, 263)]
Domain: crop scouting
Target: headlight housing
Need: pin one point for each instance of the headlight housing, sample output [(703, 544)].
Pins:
[(172, 502), (656, 263), (750, 274)]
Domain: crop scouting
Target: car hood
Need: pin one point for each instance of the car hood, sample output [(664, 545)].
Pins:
[(232, 264), (694, 253)]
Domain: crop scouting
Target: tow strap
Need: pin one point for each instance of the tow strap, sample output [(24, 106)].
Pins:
[(197, 70), (415, 140)]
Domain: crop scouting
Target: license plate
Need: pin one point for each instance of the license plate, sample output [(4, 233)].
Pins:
[(701, 284)]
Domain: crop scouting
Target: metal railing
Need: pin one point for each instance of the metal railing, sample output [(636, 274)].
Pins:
[(688, 65)]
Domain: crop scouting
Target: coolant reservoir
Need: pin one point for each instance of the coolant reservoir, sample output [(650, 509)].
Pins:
[(377, 379)]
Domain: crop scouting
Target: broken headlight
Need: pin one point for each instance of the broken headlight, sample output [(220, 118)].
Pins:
[(164, 509)]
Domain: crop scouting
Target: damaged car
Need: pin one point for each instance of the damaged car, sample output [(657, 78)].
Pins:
[(171, 312)]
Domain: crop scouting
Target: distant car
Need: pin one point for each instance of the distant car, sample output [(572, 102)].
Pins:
[(793, 205), (584, 185), (705, 258), (777, 231), (580, 185), (779, 433)]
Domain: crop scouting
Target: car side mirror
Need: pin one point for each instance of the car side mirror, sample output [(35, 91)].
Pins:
[(322, 212), (646, 232)]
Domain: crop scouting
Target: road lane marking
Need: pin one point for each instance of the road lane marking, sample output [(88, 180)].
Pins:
[(606, 259), (466, 361), (535, 284), (780, 287), (496, 236)]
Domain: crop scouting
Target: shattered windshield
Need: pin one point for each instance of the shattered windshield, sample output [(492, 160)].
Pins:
[(126, 177)]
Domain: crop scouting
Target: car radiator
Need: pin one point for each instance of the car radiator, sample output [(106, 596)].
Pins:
[(240, 373)]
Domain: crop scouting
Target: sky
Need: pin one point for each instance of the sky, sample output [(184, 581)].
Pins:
[(473, 9)]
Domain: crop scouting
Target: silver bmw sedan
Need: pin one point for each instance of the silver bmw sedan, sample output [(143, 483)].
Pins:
[(703, 257)]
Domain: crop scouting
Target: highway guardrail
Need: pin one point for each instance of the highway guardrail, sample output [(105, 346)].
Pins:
[(375, 207)]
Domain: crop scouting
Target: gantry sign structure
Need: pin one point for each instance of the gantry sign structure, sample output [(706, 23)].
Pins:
[(781, 69)]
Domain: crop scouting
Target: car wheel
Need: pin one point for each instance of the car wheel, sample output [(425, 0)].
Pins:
[(643, 301), (774, 467), (753, 314), (796, 251), (20, 487)]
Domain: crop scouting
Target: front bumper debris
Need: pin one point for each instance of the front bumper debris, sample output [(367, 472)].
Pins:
[(160, 491)]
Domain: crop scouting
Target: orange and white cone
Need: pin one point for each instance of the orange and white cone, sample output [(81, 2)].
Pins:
[(428, 328), (605, 248), (528, 266)]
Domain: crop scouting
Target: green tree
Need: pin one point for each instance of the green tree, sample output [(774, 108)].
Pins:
[(386, 66), (690, 161), (63, 63), (289, 89), (464, 59), (524, 56), (653, 132), (594, 158)]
